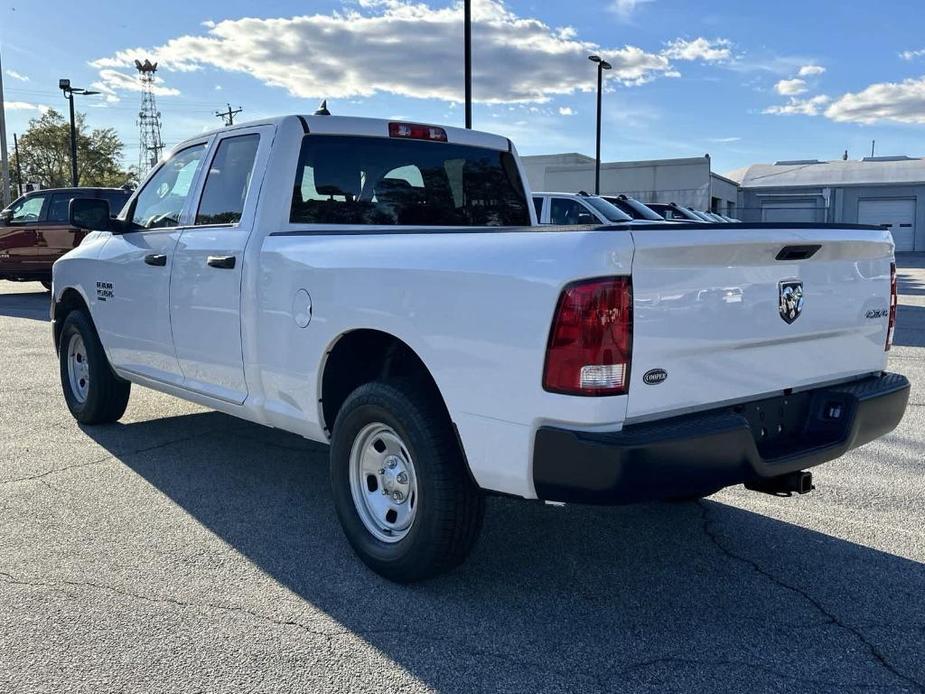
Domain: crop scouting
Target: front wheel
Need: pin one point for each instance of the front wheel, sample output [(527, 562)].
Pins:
[(94, 394), (400, 487)]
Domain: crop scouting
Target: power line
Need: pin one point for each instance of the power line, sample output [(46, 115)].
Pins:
[(228, 116)]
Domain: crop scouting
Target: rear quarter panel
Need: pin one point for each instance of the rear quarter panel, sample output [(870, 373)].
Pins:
[(475, 307)]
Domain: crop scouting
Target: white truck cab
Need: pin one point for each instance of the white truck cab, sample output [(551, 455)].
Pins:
[(384, 287)]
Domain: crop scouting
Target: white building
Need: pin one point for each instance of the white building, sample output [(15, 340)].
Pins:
[(884, 191), (687, 181)]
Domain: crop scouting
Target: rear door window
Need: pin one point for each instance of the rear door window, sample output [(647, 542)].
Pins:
[(115, 198), (58, 208), (386, 181), (228, 180)]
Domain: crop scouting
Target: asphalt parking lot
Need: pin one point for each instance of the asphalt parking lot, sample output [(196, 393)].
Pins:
[(182, 550)]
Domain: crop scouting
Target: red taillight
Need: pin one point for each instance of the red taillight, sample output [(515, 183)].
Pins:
[(591, 340), (894, 300), (413, 131)]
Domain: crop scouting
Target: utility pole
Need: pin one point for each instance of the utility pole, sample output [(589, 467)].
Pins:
[(228, 116), (4, 161), (467, 21), (18, 167), (873, 147)]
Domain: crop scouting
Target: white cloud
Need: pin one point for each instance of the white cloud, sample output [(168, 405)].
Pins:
[(25, 106), (566, 111), (625, 9), (912, 55), (17, 75), (408, 48), (800, 107), (900, 102), (112, 81), (725, 140), (811, 70), (790, 87), (706, 50)]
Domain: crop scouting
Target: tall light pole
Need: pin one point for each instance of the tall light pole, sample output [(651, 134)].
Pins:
[(467, 41), (65, 86), (601, 66)]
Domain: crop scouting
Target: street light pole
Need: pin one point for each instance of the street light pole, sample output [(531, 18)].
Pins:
[(65, 86), (601, 66), (467, 31), (70, 99)]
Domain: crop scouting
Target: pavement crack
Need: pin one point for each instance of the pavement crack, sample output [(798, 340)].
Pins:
[(875, 652), (63, 584), (108, 457)]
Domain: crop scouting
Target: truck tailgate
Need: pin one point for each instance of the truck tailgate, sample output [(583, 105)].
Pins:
[(708, 324)]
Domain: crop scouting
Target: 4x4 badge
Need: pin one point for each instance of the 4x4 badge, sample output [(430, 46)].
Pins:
[(791, 299)]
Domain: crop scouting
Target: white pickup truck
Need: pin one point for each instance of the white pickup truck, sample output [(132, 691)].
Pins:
[(383, 287)]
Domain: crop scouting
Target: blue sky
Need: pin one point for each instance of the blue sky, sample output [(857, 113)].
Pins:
[(745, 81)]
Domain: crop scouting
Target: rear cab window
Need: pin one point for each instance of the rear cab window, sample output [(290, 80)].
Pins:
[(359, 180)]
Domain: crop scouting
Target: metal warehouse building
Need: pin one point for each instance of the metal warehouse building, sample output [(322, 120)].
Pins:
[(884, 191), (687, 181)]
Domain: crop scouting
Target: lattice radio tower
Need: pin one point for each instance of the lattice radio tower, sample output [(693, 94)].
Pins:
[(149, 120)]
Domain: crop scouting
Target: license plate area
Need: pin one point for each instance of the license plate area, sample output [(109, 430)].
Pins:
[(788, 424)]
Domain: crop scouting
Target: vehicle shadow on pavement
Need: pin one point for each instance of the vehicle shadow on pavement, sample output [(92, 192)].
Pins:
[(34, 305), (695, 596), (910, 326)]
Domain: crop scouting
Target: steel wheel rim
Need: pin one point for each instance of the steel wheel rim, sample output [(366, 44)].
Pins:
[(78, 368), (383, 483)]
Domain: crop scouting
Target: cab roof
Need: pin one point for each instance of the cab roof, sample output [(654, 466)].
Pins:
[(369, 127)]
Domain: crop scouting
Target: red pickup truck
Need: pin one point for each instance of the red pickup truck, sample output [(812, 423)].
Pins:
[(34, 230)]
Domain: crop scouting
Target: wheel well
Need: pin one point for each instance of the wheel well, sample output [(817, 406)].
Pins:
[(362, 356), (70, 300)]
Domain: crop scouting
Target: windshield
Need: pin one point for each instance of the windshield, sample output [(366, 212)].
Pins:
[(611, 213), (698, 214), (635, 209), (384, 181)]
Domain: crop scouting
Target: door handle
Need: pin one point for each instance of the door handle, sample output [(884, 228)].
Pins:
[(223, 262), (156, 259)]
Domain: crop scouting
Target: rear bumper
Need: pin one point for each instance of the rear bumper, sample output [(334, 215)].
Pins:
[(700, 453)]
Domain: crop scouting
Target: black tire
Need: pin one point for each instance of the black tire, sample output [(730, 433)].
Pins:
[(46, 284), (106, 394), (449, 508)]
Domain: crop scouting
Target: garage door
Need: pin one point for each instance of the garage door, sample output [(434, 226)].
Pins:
[(800, 211), (895, 214)]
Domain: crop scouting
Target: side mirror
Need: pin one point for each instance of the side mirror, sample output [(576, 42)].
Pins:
[(90, 213), (5, 217)]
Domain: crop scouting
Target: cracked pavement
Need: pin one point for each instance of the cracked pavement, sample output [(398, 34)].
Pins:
[(183, 551)]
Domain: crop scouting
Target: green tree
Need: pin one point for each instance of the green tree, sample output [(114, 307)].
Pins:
[(45, 153)]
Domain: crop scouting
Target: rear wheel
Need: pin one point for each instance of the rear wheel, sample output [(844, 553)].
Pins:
[(400, 487), (94, 394)]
